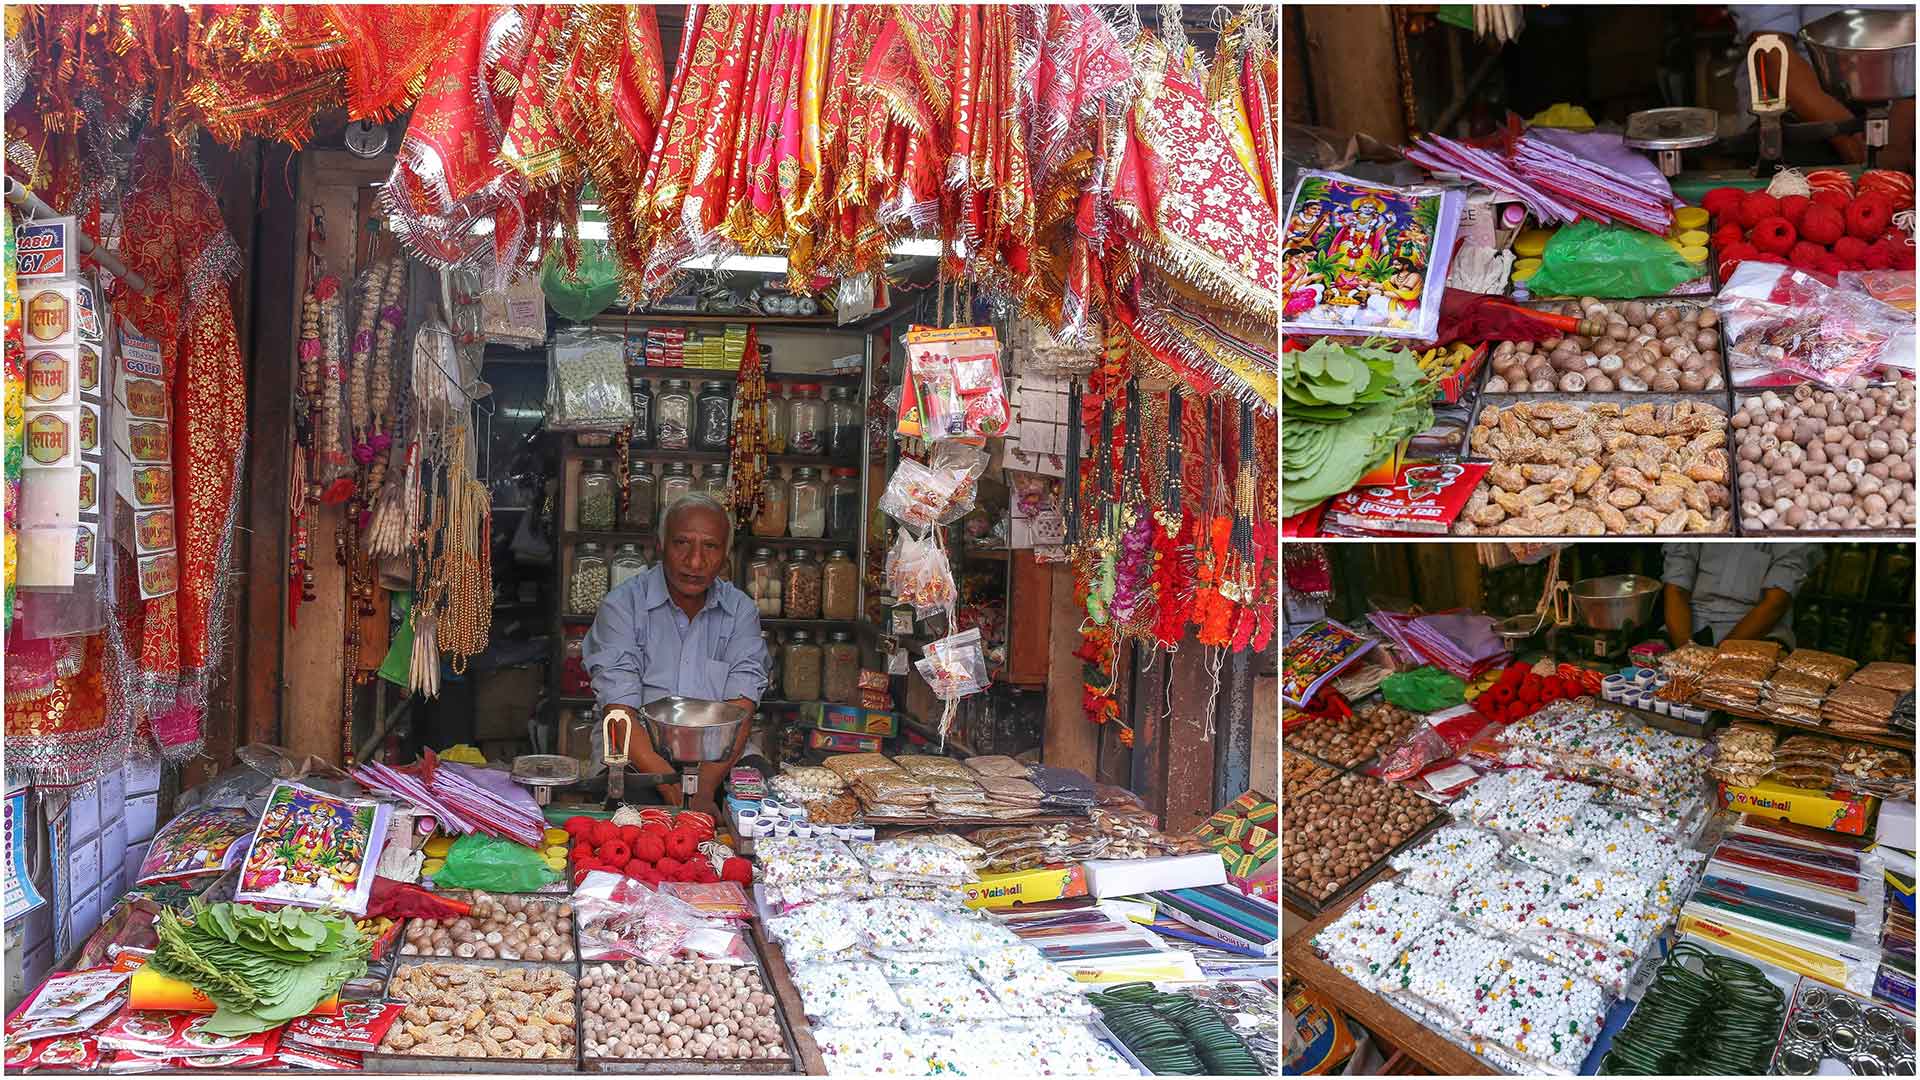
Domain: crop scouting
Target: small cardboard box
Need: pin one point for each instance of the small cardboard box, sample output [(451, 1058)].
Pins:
[(843, 742), (1026, 887), (848, 718), (1841, 811), (1454, 387)]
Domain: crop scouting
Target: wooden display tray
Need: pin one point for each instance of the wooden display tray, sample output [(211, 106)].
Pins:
[(783, 1066), (376, 1062), (1403, 1032), (1303, 905)]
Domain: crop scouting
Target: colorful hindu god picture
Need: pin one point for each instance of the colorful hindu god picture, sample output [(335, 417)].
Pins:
[(1363, 258), (314, 849)]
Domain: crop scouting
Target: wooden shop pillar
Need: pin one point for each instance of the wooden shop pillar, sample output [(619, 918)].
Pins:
[(313, 703), (1353, 69)]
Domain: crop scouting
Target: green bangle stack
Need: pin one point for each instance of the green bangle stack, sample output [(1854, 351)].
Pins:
[(1173, 1035), (1720, 1023)]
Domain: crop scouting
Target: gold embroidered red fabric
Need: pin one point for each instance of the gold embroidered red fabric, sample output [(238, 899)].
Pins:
[(175, 237)]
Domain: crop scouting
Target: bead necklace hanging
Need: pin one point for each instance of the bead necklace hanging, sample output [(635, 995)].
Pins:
[(381, 421), (746, 489), (1134, 611), (1173, 571), (465, 570)]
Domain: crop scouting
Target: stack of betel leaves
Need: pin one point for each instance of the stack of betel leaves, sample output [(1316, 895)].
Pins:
[(1347, 406), (261, 968)]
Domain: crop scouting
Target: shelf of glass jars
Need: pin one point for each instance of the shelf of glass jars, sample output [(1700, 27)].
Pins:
[(824, 542), (613, 319), (823, 378), (770, 623)]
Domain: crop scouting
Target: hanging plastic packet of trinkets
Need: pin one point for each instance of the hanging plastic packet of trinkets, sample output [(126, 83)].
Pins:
[(955, 666), (955, 388), (587, 382), (919, 573)]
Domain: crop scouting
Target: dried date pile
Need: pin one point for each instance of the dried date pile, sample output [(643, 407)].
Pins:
[(1338, 832), (479, 1011), (1567, 469), (1347, 741)]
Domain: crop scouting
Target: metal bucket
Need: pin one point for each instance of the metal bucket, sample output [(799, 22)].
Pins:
[(1614, 602), (1863, 56), (688, 729)]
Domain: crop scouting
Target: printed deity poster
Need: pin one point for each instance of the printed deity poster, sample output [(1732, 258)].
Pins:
[(314, 849), (1366, 259)]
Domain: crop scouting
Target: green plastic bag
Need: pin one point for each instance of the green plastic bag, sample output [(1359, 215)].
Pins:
[(1613, 261), (587, 292), (1423, 690), (479, 861)]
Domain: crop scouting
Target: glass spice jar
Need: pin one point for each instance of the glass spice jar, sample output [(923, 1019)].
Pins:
[(802, 594), (627, 564), (713, 430), (800, 678), (807, 499), (840, 669), (777, 418), (676, 479), (597, 499), (771, 520), (643, 496), (673, 430), (713, 480), (843, 505), (642, 390), (845, 431), (592, 577), (839, 586), (806, 420), (764, 584)]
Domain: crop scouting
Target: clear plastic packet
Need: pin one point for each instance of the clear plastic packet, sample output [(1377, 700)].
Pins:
[(919, 573), (1439, 864), (1028, 986), (587, 382), (940, 996), (851, 767), (913, 858), (1779, 320), (914, 495), (845, 994), (516, 315), (960, 391), (955, 666), (818, 930), (1411, 756), (622, 919), (966, 462)]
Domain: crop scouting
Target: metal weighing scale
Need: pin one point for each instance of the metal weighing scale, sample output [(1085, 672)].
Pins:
[(1666, 132), (688, 732), (1610, 616), (541, 773), (1864, 58)]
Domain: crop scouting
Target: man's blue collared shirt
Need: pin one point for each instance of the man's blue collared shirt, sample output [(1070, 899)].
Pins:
[(643, 647)]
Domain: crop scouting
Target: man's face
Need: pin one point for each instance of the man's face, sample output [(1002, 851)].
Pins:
[(696, 551)]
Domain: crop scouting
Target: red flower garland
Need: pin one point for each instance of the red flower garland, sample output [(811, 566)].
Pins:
[(1173, 577)]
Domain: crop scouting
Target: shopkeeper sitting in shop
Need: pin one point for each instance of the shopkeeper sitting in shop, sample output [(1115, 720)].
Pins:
[(1732, 592), (679, 628)]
